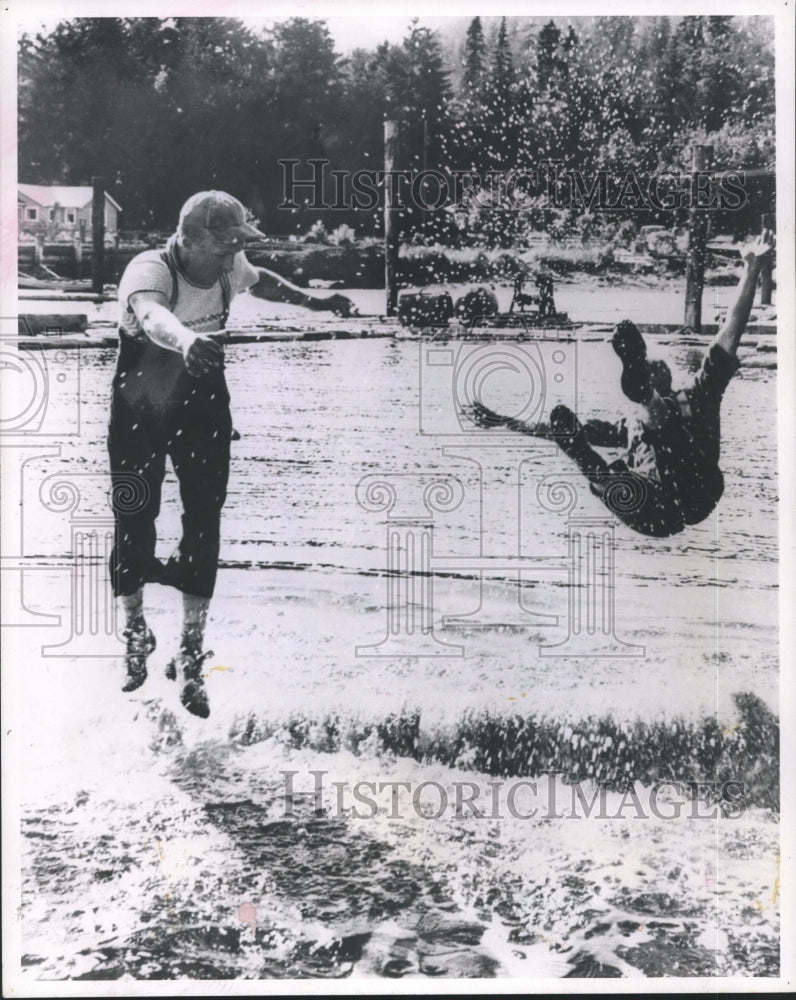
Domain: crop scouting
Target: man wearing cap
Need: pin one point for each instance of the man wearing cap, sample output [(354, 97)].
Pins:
[(170, 398)]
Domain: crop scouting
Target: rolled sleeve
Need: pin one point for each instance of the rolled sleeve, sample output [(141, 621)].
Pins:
[(244, 274), (144, 274)]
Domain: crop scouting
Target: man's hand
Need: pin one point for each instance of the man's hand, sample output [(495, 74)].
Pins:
[(340, 305), (202, 355), (731, 331), (275, 288), (483, 416), (758, 247)]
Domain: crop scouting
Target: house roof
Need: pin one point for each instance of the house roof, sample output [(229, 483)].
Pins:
[(48, 195)]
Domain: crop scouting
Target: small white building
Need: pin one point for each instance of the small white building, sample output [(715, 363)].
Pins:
[(57, 210)]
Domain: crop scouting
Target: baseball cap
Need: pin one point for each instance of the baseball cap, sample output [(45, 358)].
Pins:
[(221, 214)]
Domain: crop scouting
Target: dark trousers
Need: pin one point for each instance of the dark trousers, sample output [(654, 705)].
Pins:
[(689, 483), (191, 424), (689, 487)]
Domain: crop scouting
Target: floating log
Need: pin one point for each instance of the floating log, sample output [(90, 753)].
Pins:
[(52, 324), (421, 309), (381, 327), (477, 304), (25, 281)]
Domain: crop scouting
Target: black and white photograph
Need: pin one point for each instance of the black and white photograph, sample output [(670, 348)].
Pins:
[(397, 462)]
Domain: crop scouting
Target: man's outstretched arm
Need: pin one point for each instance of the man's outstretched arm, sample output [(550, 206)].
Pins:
[(600, 433), (200, 352), (484, 417), (732, 329), (275, 288)]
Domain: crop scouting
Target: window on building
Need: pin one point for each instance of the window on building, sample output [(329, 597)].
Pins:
[(52, 215), (32, 214), (70, 217)]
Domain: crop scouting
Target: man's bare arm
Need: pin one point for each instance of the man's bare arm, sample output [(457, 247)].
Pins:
[(275, 288), (732, 329), (484, 417), (201, 354)]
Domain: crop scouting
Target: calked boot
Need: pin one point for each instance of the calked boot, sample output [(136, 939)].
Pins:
[(193, 696), (140, 643), (629, 345)]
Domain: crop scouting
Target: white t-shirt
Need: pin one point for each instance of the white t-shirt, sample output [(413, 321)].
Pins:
[(199, 307)]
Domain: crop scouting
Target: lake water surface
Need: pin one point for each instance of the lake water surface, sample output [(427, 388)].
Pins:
[(159, 846)]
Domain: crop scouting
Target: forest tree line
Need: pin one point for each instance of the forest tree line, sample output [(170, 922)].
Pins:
[(163, 107)]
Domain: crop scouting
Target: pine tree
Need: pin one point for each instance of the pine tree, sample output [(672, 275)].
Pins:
[(474, 60), (503, 129), (547, 60), (688, 45), (717, 89)]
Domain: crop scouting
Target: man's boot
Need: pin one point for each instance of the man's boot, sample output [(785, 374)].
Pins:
[(629, 345), (193, 695), (140, 643), (568, 433)]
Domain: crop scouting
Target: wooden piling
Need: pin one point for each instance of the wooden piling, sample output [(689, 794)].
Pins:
[(38, 254), (697, 241), (390, 220), (766, 271), (97, 233), (77, 244)]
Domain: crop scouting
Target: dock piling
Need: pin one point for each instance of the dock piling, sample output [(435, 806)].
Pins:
[(697, 240), (390, 221), (97, 233), (766, 278)]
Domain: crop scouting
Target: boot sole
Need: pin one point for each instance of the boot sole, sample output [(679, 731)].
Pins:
[(629, 345), (135, 680), (196, 706)]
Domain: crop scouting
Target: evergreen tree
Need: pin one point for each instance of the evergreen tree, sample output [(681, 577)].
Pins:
[(577, 101), (660, 69), (548, 107), (468, 128), (306, 85), (717, 87), (474, 60), (503, 132), (547, 58), (162, 107), (164, 116), (210, 84), (688, 43)]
